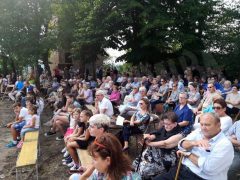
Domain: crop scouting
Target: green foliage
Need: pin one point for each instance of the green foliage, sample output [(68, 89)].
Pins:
[(24, 30)]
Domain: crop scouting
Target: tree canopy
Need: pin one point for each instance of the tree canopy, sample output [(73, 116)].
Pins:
[(149, 31)]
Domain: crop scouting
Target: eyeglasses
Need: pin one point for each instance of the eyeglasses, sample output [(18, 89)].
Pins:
[(217, 107)]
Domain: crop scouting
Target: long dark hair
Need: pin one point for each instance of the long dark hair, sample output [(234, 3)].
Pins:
[(109, 146)]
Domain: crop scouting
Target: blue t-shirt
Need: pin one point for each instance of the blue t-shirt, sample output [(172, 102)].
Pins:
[(185, 114), (19, 85)]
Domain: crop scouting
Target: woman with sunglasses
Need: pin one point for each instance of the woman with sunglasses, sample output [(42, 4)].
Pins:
[(219, 106), (138, 123), (109, 161)]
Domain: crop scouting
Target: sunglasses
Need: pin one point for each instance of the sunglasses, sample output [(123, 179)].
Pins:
[(217, 107)]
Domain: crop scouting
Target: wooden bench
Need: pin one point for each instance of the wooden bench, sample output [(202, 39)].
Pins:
[(31, 136), (28, 155), (84, 157), (91, 108)]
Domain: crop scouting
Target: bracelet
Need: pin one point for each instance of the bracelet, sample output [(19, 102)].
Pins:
[(181, 143)]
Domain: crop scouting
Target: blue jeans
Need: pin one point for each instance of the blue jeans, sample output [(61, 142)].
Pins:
[(25, 130), (235, 167), (19, 126)]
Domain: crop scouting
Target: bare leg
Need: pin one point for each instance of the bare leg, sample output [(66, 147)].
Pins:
[(71, 147)]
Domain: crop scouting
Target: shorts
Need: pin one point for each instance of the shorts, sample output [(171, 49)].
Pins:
[(82, 144), (19, 126)]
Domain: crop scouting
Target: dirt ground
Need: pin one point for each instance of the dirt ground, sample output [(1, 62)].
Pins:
[(50, 159)]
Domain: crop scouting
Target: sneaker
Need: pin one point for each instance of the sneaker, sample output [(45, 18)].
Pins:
[(48, 134), (67, 158), (64, 150), (59, 138), (11, 144), (75, 167), (66, 154), (20, 144), (67, 162), (71, 164)]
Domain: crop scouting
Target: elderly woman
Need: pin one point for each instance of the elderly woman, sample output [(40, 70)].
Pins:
[(138, 123), (233, 101), (173, 98), (159, 157)]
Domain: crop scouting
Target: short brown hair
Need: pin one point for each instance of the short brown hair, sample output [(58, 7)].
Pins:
[(221, 101)]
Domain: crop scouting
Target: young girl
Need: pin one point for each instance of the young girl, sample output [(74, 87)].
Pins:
[(73, 129), (81, 141), (71, 122), (31, 125)]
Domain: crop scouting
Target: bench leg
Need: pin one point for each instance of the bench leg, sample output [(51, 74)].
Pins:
[(16, 174), (37, 170)]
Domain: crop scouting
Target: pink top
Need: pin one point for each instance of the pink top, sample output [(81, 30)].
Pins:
[(115, 96)]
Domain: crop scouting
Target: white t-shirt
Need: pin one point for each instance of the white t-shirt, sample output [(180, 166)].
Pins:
[(105, 104), (226, 123), (37, 121), (40, 105), (24, 114), (72, 122), (234, 98)]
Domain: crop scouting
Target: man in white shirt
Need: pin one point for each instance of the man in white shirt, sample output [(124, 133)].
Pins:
[(207, 153), (102, 104)]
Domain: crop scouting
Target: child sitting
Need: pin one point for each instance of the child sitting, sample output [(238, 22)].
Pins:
[(73, 128), (81, 141), (31, 125)]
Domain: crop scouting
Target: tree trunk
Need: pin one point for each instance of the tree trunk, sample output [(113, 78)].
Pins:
[(13, 66), (152, 69), (46, 62), (4, 64)]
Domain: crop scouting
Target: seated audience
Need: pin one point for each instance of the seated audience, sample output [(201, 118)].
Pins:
[(194, 96), (219, 106), (184, 114), (173, 98), (233, 101), (102, 104), (98, 125), (138, 123), (234, 136), (20, 120), (207, 153), (158, 157)]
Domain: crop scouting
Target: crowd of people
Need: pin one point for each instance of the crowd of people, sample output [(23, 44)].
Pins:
[(197, 120)]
